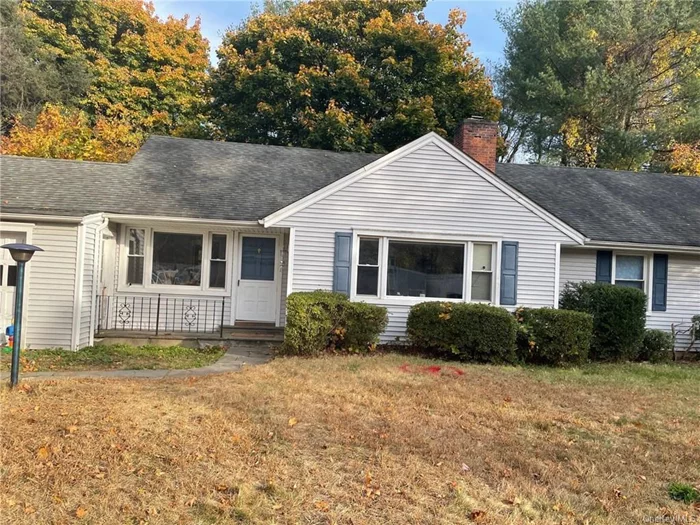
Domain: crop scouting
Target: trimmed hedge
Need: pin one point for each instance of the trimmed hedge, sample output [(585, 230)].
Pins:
[(326, 321), (619, 317), (474, 332), (657, 346), (554, 337)]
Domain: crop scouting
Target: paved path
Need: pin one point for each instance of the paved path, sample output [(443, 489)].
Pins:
[(237, 355)]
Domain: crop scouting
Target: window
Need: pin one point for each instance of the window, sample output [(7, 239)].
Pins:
[(629, 271), (420, 269), (136, 256), (217, 262), (177, 259), (368, 267), (482, 272)]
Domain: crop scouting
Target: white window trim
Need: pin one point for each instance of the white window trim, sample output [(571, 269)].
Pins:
[(647, 272), (147, 286), (385, 237)]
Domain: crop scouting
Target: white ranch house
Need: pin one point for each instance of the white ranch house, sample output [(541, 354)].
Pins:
[(191, 235)]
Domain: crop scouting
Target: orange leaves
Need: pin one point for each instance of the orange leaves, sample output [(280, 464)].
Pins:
[(685, 158), (43, 453), (80, 513), (65, 133)]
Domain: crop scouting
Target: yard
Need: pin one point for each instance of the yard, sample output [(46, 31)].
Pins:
[(114, 357), (384, 439)]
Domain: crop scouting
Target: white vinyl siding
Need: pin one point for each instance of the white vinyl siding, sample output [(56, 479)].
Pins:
[(683, 297), (51, 291), (89, 288), (425, 192)]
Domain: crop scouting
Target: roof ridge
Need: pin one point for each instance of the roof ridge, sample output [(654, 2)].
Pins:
[(598, 170), (214, 141), (52, 159)]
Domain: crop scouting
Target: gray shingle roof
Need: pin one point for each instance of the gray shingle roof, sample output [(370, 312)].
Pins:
[(177, 178), (606, 205), (234, 181)]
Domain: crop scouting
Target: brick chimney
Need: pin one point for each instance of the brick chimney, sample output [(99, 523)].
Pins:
[(478, 138)]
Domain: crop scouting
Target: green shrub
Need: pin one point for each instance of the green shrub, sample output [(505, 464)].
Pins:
[(554, 337), (684, 492), (657, 346), (319, 321), (475, 332), (619, 317)]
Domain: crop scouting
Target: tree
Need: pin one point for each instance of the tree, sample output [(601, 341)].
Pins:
[(33, 74), (66, 133), (356, 75), (611, 83), (145, 71)]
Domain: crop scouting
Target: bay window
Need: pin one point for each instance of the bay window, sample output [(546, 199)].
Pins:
[(188, 260), (405, 268)]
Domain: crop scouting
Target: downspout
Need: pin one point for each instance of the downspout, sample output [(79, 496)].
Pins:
[(97, 260)]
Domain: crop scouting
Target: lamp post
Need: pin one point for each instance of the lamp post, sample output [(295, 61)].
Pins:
[(21, 253)]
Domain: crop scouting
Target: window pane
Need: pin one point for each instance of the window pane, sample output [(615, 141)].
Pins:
[(217, 274), (258, 259), (629, 267), (425, 270), (136, 238), (481, 286), (218, 247), (482, 257), (367, 277), (630, 284), (177, 259), (134, 272), (11, 276), (369, 251)]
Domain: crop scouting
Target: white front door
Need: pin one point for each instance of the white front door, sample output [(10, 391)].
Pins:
[(8, 279), (257, 284)]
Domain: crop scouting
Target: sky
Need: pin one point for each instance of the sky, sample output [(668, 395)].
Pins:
[(485, 33)]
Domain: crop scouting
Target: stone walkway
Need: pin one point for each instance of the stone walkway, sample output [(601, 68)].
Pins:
[(237, 355)]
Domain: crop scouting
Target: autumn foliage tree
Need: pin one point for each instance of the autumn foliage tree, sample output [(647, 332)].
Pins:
[(358, 75), (66, 133), (611, 83), (113, 64)]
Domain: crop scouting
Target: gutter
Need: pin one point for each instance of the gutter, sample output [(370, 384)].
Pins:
[(185, 220), (41, 218), (669, 248)]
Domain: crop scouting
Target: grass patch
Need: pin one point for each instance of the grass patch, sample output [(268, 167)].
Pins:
[(381, 439), (115, 357), (683, 492)]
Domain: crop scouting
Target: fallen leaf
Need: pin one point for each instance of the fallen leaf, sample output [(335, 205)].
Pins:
[(322, 506), (43, 453), (477, 515), (292, 421), (80, 512)]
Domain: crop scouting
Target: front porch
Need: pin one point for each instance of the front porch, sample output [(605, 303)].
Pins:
[(165, 282)]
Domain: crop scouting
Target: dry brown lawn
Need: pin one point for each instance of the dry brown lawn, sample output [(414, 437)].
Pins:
[(355, 440)]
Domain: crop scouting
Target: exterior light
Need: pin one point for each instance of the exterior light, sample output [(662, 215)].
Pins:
[(22, 253)]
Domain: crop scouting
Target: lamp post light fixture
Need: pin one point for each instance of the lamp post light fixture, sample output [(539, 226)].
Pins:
[(21, 253)]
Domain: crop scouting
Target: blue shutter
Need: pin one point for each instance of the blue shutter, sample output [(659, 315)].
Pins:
[(509, 273), (603, 267), (341, 267), (659, 283)]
